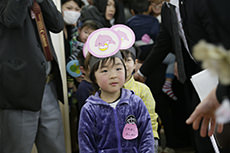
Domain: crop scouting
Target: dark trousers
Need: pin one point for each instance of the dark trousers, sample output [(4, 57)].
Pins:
[(171, 113), (202, 145)]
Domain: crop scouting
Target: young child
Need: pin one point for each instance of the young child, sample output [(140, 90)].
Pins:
[(85, 88), (104, 12), (114, 119), (146, 27), (81, 36), (140, 89), (77, 43)]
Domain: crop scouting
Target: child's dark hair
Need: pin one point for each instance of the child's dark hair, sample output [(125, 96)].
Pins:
[(81, 58), (98, 65), (126, 54), (139, 6), (90, 24)]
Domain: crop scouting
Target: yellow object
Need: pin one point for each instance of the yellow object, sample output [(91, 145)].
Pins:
[(143, 91)]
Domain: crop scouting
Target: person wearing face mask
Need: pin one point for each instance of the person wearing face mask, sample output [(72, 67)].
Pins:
[(71, 13)]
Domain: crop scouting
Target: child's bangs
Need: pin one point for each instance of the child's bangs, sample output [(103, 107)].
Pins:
[(106, 61)]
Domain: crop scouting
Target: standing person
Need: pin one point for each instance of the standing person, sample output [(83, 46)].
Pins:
[(71, 11), (140, 89), (30, 81), (110, 109), (146, 26), (77, 44), (207, 108), (178, 38), (114, 119), (105, 12)]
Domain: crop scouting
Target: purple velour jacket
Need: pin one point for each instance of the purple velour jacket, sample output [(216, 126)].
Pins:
[(101, 126)]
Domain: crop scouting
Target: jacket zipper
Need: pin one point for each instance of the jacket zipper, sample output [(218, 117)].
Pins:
[(117, 131)]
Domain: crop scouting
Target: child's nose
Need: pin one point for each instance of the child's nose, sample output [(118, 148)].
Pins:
[(113, 74)]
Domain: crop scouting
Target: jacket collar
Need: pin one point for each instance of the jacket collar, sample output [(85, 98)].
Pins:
[(130, 82), (125, 96), (173, 2)]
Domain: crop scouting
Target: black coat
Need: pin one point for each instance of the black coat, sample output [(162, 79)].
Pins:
[(197, 25), (22, 62), (220, 13)]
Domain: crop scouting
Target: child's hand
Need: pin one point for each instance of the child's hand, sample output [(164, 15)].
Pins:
[(80, 78), (139, 78)]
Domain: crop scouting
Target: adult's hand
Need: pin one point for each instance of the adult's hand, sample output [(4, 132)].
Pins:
[(139, 78), (205, 112)]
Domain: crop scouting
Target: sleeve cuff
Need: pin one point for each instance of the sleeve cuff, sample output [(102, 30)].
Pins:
[(139, 72)]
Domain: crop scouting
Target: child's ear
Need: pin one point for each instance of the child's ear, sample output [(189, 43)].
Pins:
[(79, 30), (136, 61)]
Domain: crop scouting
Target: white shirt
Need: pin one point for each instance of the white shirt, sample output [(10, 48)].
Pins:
[(114, 104)]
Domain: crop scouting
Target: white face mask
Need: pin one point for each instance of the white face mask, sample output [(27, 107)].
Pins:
[(71, 17)]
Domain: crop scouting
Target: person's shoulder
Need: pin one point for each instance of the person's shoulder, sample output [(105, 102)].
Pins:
[(129, 95), (91, 101), (140, 84)]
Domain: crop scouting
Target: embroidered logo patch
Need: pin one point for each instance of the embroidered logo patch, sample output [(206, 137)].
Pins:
[(130, 130)]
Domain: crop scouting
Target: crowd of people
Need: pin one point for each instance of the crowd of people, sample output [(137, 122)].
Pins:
[(128, 67)]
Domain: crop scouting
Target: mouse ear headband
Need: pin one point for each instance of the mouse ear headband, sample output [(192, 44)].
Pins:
[(106, 42)]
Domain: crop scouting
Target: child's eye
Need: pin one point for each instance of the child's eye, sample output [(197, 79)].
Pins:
[(104, 71), (118, 69)]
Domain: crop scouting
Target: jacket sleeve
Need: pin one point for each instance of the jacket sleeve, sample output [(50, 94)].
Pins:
[(145, 138), (86, 137), (13, 12), (150, 105), (222, 92), (202, 12), (52, 17), (160, 49)]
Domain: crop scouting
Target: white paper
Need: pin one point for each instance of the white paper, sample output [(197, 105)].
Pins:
[(204, 82)]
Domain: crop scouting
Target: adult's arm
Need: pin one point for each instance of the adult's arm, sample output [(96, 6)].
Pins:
[(159, 51), (202, 13), (222, 91), (13, 12), (52, 17)]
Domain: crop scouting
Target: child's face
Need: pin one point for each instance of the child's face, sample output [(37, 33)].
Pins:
[(156, 7), (130, 66), (110, 10), (84, 33), (111, 77)]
